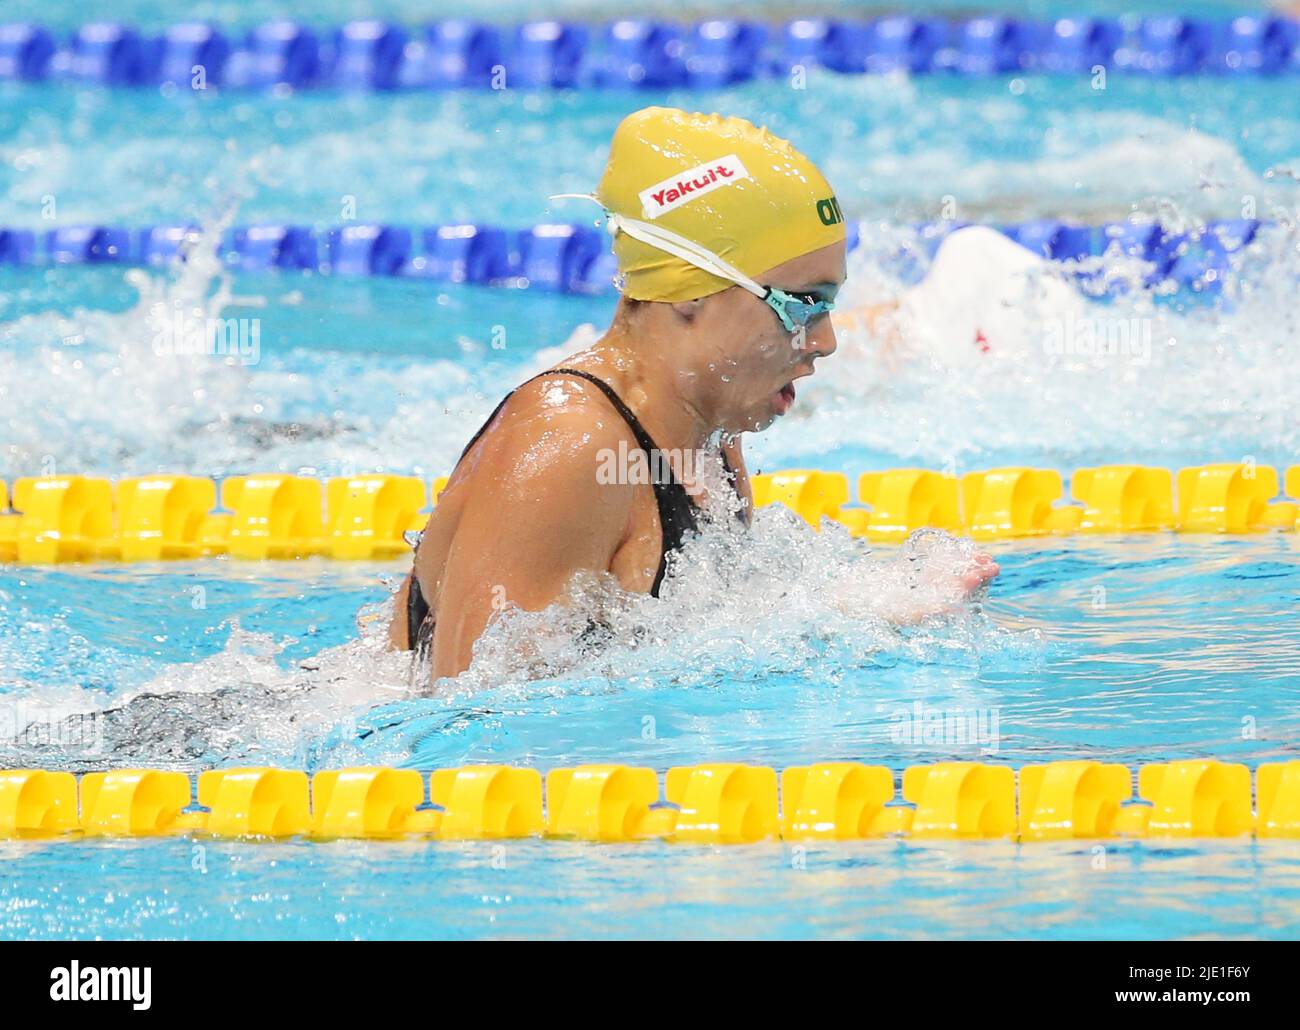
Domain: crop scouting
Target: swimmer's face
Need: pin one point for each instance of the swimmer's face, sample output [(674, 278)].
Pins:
[(754, 356)]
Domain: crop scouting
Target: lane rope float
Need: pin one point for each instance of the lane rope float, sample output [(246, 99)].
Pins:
[(576, 259), (277, 515), (632, 54), (723, 803)]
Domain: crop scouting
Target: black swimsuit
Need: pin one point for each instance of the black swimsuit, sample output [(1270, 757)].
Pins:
[(676, 511)]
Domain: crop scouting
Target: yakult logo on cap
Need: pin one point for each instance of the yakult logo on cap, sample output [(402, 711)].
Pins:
[(662, 197)]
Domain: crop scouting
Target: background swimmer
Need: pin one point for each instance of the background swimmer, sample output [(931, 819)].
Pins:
[(984, 295)]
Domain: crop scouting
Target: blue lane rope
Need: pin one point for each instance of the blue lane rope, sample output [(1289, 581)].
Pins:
[(634, 53), (576, 258)]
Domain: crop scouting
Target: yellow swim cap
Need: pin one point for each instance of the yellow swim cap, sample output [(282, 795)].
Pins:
[(729, 187)]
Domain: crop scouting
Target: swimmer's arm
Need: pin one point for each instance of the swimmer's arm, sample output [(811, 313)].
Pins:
[(865, 317), (891, 591), (535, 515), (873, 322)]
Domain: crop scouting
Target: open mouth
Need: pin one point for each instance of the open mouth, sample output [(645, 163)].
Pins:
[(785, 398)]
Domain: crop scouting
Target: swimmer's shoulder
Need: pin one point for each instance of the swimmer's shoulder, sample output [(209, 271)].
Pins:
[(564, 408), (556, 438)]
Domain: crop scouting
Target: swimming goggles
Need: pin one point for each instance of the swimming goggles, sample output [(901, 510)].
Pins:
[(795, 310)]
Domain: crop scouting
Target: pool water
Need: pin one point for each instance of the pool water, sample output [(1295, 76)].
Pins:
[(1191, 653), (550, 890), (1129, 649), (395, 374)]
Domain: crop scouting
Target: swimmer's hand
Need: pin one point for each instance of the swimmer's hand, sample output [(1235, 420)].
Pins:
[(979, 573), (935, 574)]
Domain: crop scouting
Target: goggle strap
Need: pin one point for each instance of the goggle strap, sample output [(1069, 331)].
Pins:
[(689, 251), (678, 246)]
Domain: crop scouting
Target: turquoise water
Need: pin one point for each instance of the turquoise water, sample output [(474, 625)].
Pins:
[(879, 890), (1132, 650), (345, 358), (1193, 654), (1005, 149), (1188, 637)]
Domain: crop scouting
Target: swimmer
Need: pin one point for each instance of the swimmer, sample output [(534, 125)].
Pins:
[(731, 249)]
